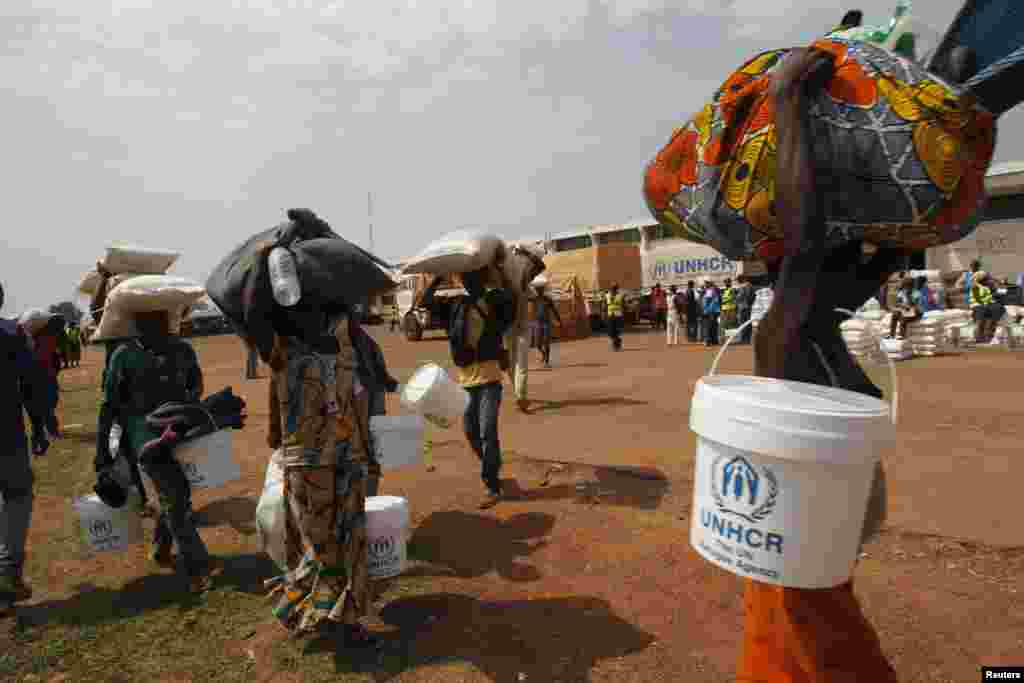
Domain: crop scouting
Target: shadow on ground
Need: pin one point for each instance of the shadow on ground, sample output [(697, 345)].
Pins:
[(471, 545), (637, 487), (92, 605), (510, 641), (237, 512), (540, 406), (557, 367)]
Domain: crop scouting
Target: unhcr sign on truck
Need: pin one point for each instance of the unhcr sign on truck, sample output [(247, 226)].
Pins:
[(681, 261)]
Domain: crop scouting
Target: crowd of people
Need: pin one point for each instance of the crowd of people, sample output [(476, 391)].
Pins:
[(703, 310)]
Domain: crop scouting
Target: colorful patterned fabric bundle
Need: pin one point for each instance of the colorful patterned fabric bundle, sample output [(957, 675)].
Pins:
[(907, 152)]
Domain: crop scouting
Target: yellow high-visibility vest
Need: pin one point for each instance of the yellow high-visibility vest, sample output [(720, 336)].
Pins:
[(729, 299), (615, 304), (984, 296)]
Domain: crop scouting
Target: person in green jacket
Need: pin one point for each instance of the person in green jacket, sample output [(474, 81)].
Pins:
[(142, 375)]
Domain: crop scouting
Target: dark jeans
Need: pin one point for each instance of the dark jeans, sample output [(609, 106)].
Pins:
[(544, 340), (692, 327), (175, 524), (252, 363), (615, 325), (742, 317), (711, 329), (15, 510), (481, 425), (993, 312)]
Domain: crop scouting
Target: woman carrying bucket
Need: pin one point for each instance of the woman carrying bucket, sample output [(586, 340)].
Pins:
[(319, 417), (791, 222)]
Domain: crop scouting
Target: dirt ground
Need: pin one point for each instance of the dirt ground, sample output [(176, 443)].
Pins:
[(586, 574)]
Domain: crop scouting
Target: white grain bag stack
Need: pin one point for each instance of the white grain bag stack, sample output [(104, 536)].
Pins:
[(956, 322), (897, 349), (860, 337), (928, 337), (144, 294), (130, 258), (125, 261), (461, 251)]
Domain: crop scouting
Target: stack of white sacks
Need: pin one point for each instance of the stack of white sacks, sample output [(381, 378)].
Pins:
[(127, 262), (928, 336), (1010, 332), (956, 324), (862, 334)]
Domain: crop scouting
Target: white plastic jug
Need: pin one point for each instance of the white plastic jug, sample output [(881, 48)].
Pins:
[(433, 394), (398, 439), (284, 278), (783, 475), (208, 461), (270, 513), (106, 529), (387, 533)]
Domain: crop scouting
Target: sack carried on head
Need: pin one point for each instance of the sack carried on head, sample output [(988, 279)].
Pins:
[(331, 271), (144, 294), (907, 154), (461, 251), (130, 258)]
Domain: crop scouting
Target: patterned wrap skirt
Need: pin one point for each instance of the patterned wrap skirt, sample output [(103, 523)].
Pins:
[(325, 541)]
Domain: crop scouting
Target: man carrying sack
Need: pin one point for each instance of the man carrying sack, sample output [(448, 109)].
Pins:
[(144, 374), (476, 337)]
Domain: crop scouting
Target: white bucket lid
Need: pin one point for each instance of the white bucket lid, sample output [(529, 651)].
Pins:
[(792, 420), (387, 511)]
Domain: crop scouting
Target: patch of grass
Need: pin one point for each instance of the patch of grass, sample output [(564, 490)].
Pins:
[(130, 622)]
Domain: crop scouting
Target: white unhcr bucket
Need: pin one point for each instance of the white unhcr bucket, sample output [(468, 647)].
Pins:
[(433, 394), (783, 475), (398, 439), (270, 513), (387, 533), (106, 529), (208, 460)]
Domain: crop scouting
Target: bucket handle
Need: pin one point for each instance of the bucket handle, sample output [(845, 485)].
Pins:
[(878, 343)]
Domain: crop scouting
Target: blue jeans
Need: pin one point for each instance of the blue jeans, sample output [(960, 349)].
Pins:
[(15, 510), (175, 524), (544, 340), (481, 424)]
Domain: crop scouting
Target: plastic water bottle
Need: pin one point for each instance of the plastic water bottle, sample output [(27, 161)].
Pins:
[(284, 279), (115, 439)]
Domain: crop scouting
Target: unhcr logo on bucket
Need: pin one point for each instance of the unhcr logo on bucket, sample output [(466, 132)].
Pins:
[(740, 490)]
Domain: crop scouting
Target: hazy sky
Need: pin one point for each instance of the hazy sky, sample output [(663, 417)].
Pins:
[(191, 124)]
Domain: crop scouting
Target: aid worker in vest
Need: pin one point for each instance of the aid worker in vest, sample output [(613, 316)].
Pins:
[(490, 310), (728, 319), (985, 310), (615, 310), (143, 374)]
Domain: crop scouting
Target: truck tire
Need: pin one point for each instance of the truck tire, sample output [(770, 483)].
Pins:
[(411, 326)]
